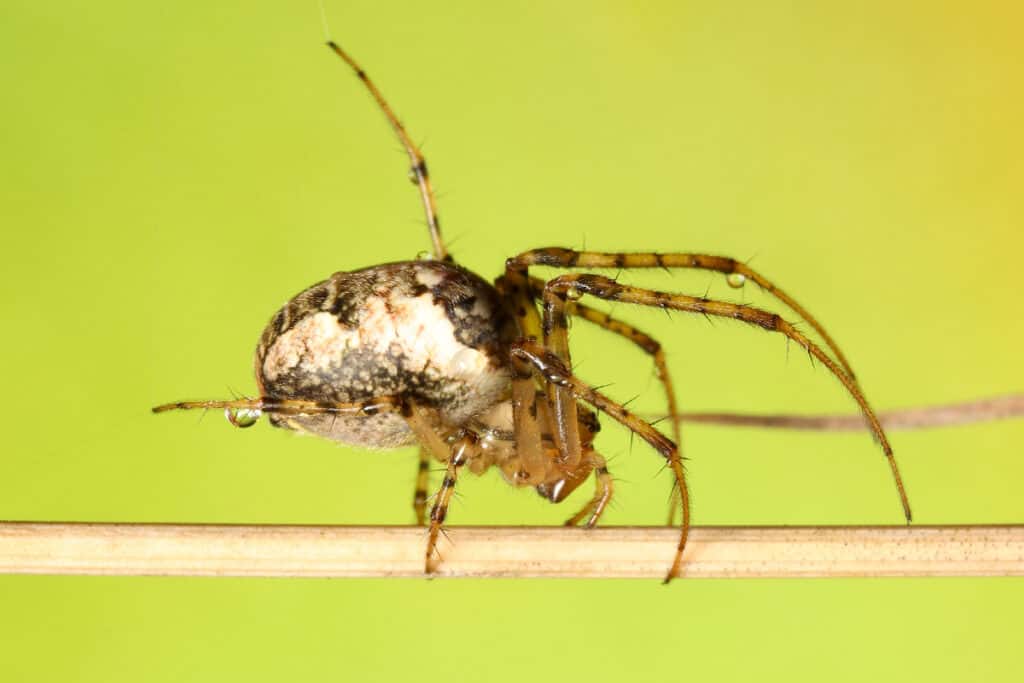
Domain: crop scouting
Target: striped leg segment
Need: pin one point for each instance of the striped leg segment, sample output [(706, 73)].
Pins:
[(455, 456), (553, 371), (462, 451), (515, 289), (419, 497), (606, 288), (418, 165), (646, 343), (561, 400), (559, 257), (243, 412), (595, 506)]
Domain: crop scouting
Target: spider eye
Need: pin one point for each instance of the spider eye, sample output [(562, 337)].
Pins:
[(242, 417)]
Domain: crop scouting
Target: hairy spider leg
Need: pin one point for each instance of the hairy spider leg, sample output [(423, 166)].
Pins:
[(553, 328), (290, 406), (606, 288), (418, 165), (652, 347), (560, 257), (647, 344), (515, 288), (519, 298), (520, 293), (419, 497), (561, 400), (533, 461), (555, 303), (603, 491), (552, 370), (464, 449), (424, 424)]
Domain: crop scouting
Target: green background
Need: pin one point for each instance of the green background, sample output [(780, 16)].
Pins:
[(173, 172)]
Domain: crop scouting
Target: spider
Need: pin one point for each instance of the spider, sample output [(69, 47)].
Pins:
[(479, 375)]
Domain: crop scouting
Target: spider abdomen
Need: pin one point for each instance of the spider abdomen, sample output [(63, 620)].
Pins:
[(428, 331)]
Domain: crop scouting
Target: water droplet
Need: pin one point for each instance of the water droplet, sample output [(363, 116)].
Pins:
[(736, 280), (573, 294), (242, 417)]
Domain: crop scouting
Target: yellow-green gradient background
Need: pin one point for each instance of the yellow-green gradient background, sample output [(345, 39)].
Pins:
[(173, 172)]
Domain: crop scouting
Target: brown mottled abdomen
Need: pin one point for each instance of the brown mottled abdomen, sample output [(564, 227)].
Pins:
[(426, 330)]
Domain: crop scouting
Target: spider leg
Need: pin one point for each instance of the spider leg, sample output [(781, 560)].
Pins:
[(419, 497), (647, 343), (559, 257), (595, 506), (455, 456), (560, 399), (461, 452), (279, 406), (605, 288), (418, 165), (650, 346), (534, 463), (551, 368), (518, 296)]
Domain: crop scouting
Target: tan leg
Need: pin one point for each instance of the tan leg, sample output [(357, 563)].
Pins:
[(649, 345), (595, 507), (462, 451), (515, 289), (456, 456), (244, 412), (646, 343), (418, 165), (606, 288), (568, 258), (553, 370), (419, 497)]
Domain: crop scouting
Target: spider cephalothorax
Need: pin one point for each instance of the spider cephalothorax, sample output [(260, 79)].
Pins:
[(480, 376)]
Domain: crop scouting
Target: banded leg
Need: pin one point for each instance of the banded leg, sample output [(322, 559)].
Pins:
[(606, 288), (646, 343), (419, 497), (533, 461), (554, 371), (423, 424), (559, 257), (418, 165), (554, 328), (565, 427), (515, 289), (462, 451), (595, 506), (243, 412), (649, 345)]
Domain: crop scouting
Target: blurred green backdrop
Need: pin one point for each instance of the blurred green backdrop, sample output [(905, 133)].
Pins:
[(173, 172)]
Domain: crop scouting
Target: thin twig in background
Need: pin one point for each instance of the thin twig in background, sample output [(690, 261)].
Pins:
[(983, 410), (633, 552)]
